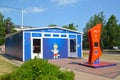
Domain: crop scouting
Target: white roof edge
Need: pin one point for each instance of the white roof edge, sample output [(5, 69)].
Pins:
[(52, 28), (72, 30), (43, 28)]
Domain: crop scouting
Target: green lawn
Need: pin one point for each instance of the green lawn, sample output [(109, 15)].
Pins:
[(6, 66), (111, 56), (106, 56), (111, 50)]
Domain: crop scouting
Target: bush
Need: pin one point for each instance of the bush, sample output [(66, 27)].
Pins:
[(38, 69)]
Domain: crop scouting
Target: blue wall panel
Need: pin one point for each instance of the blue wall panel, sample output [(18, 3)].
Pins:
[(79, 45), (27, 46), (48, 47), (13, 46)]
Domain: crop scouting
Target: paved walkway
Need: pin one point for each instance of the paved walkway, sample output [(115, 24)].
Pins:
[(87, 73), (82, 72)]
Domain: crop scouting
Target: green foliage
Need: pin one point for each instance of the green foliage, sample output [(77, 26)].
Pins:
[(70, 26), (5, 27), (112, 32), (110, 35), (96, 19), (2, 29), (52, 25), (38, 69), (9, 26)]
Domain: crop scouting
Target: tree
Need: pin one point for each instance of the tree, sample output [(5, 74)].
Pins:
[(112, 31), (97, 18), (118, 36), (9, 25), (70, 26), (6, 27), (2, 29), (52, 25), (110, 35)]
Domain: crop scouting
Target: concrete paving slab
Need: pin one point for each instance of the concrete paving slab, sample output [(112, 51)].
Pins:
[(105, 73)]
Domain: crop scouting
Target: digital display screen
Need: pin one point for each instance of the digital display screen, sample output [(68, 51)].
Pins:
[(96, 44)]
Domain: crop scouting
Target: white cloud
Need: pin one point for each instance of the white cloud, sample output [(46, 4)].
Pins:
[(33, 10), (64, 2)]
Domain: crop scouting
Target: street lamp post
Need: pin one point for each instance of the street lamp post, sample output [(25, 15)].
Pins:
[(19, 10), (22, 18)]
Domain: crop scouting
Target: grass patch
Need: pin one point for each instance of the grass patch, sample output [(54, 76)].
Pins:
[(111, 56), (6, 66), (106, 56), (111, 51)]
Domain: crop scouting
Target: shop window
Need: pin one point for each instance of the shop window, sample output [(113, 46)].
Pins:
[(63, 35), (55, 35), (47, 35)]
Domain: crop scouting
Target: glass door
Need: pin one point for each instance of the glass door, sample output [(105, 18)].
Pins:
[(72, 48)]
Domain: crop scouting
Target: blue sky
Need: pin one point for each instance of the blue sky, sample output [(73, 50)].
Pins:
[(41, 13)]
